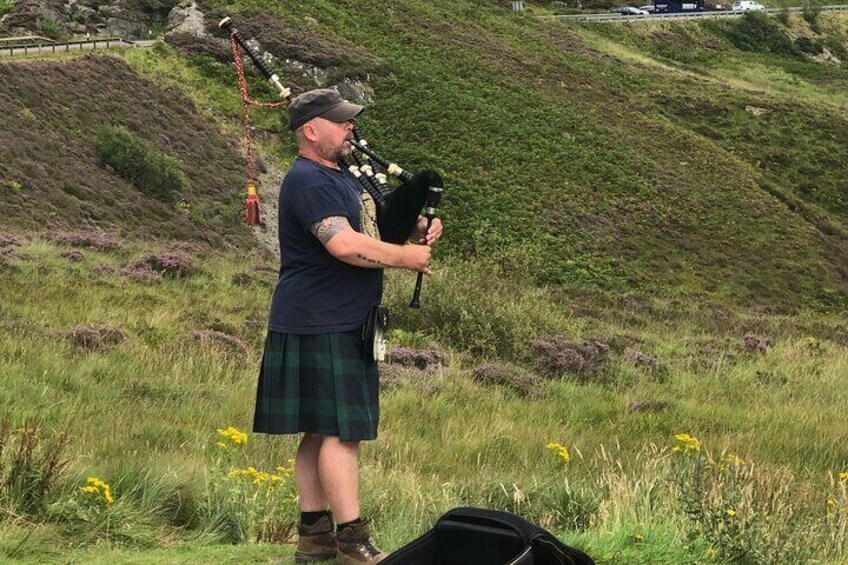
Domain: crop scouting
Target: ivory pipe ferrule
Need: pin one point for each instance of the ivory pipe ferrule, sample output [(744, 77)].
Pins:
[(284, 91)]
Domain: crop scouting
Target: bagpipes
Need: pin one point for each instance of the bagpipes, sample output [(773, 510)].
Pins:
[(398, 209)]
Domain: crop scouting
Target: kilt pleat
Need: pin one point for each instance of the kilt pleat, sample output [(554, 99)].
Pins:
[(318, 384)]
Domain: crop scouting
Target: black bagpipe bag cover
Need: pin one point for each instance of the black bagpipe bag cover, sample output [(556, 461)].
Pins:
[(476, 536)]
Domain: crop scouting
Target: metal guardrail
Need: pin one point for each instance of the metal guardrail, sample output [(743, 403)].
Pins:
[(677, 15), (68, 46)]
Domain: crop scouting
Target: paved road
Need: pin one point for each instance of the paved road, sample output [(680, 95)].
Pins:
[(680, 16), (69, 46)]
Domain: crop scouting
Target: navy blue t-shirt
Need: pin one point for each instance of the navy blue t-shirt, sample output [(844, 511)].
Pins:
[(317, 293)]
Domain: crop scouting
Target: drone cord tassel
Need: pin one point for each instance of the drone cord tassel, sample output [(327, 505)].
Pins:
[(252, 202)]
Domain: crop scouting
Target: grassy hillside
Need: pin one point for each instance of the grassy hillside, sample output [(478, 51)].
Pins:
[(142, 362), (646, 235), (673, 157), (561, 145), (51, 176)]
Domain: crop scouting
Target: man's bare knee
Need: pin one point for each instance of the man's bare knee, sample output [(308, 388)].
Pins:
[(309, 437)]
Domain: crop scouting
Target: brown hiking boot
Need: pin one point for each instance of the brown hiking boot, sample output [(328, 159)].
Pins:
[(356, 547), (316, 542)]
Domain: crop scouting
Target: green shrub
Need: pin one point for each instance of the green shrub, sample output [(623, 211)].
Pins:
[(128, 512), (807, 45), (211, 68), (52, 29), (810, 12), (154, 173), (242, 502), (838, 45), (745, 515), (6, 6), (756, 32), (783, 15), (478, 307)]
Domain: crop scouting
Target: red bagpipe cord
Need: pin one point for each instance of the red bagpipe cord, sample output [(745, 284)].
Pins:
[(247, 102)]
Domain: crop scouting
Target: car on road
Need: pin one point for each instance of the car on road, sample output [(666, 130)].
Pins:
[(629, 11), (747, 6), (650, 8)]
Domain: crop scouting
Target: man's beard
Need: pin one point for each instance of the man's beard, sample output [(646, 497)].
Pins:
[(333, 153)]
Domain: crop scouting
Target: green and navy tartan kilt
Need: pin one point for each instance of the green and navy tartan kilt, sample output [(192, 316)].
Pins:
[(317, 383)]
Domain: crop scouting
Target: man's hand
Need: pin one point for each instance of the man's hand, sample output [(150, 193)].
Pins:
[(432, 235), (417, 258)]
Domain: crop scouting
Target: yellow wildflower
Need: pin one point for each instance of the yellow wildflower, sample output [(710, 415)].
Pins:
[(257, 477), (234, 435), (730, 461), (731, 512), (97, 487), (287, 471), (94, 481), (843, 476), (561, 451), (711, 551), (831, 508), (686, 443), (275, 481)]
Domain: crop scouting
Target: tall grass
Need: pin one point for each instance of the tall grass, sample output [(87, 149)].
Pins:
[(679, 218), (142, 415), (30, 466)]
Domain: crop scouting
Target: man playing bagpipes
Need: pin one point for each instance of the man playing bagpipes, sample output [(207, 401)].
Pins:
[(317, 375)]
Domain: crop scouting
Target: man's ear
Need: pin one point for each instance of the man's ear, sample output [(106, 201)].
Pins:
[(310, 132)]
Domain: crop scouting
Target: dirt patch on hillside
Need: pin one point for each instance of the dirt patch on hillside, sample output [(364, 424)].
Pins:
[(267, 232)]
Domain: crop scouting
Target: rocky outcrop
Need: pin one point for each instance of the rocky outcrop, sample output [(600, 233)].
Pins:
[(187, 18), (352, 89), (130, 19), (305, 60)]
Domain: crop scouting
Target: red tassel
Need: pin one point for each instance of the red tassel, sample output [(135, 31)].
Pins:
[(252, 205)]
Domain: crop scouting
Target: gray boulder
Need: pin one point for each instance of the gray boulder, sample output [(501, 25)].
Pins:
[(186, 18)]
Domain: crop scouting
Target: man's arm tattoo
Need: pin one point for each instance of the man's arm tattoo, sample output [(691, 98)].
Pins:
[(325, 229), (369, 260)]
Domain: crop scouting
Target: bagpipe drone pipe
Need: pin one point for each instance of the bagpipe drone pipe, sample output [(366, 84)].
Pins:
[(398, 209)]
